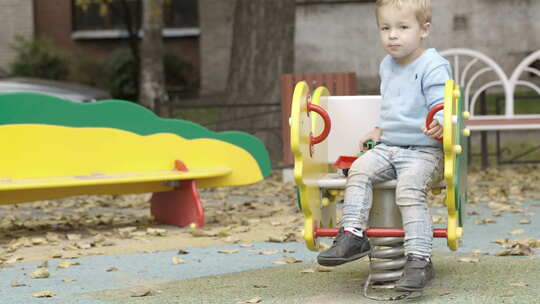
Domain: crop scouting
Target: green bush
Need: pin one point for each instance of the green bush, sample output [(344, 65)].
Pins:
[(177, 70), (89, 70), (123, 73), (38, 57)]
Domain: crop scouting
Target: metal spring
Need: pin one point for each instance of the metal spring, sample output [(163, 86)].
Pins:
[(386, 263), (388, 259)]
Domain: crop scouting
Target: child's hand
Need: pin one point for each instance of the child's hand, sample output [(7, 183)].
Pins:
[(374, 135), (435, 130)]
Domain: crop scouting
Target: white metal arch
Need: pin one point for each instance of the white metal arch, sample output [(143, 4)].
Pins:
[(491, 66), (524, 66)]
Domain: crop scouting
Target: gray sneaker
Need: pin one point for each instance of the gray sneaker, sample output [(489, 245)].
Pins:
[(417, 274), (347, 247)]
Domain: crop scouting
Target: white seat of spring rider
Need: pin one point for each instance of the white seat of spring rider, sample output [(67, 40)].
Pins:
[(338, 181)]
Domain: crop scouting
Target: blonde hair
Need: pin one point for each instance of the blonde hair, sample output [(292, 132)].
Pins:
[(422, 8)]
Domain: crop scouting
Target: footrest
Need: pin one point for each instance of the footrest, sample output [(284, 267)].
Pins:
[(377, 232)]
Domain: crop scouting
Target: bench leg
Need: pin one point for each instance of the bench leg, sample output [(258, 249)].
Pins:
[(180, 207)]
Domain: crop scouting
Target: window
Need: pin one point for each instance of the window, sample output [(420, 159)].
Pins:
[(180, 18)]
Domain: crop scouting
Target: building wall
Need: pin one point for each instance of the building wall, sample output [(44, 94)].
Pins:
[(342, 37), (505, 30), (54, 20), (216, 19), (17, 19)]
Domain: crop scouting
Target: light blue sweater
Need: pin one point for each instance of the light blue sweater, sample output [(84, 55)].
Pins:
[(408, 93)]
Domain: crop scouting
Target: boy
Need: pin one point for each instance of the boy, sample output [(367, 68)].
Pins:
[(412, 82)]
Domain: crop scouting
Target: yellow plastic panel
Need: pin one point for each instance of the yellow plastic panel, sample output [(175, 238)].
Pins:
[(45, 151), (309, 167), (453, 130), (23, 190)]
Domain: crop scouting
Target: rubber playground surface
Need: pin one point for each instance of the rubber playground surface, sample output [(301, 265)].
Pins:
[(286, 272), (282, 273)]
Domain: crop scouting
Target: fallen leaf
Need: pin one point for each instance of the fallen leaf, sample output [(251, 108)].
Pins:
[(469, 260), (292, 260), (279, 262), (231, 239), (268, 252), (177, 260), (52, 237), (17, 284), (201, 233), (309, 270), (73, 236), (40, 273), (228, 251), (67, 264), (113, 268), (517, 231), (139, 292), (252, 300), (182, 251), (156, 232), (501, 241), (519, 284), (13, 260), (525, 221), (324, 269), (69, 280), (44, 294), (39, 241), (275, 239), (438, 219)]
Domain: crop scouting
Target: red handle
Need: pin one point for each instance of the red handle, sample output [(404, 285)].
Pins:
[(378, 232), (431, 113), (327, 124)]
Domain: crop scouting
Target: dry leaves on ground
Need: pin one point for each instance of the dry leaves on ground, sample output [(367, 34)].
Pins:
[(177, 260), (44, 294), (75, 225), (252, 300), (40, 273), (140, 292), (469, 260)]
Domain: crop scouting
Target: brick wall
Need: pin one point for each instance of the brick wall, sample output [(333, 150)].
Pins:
[(17, 19)]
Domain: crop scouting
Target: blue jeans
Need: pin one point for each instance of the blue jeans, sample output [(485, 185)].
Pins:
[(415, 168)]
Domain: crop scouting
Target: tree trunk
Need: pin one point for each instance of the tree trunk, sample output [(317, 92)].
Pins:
[(152, 93), (263, 49)]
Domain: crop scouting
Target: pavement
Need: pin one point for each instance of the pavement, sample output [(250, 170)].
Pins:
[(286, 273)]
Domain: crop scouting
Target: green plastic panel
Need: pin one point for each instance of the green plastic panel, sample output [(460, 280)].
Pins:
[(462, 166), (19, 108)]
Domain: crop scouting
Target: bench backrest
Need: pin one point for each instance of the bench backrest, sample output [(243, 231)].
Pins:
[(351, 117)]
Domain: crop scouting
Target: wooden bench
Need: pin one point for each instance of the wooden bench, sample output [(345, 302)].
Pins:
[(347, 119), (55, 148)]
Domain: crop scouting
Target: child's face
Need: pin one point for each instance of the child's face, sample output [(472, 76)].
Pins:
[(401, 34)]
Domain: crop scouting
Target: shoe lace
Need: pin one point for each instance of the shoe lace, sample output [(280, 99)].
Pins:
[(338, 238)]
